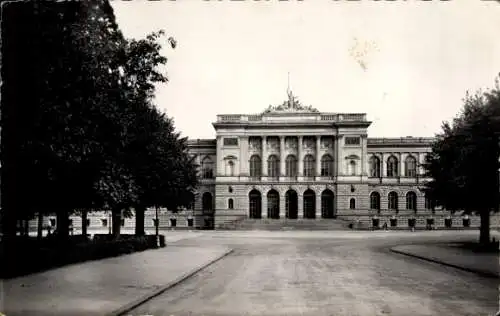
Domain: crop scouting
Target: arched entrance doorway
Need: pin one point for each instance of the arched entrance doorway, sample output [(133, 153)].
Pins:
[(273, 204), (291, 204), (327, 210), (255, 204), (208, 212), (309, 204)]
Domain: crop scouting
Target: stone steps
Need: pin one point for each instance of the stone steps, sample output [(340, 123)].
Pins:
[(288, 224)]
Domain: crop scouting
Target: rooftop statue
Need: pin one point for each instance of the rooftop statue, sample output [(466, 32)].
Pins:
[(290, 105)]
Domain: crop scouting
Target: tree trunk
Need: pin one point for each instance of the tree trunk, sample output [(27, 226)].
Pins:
[(26, 227), (484, 229), (84, 222), (116, 218), (139, 220), (39, 226), (62, 224)]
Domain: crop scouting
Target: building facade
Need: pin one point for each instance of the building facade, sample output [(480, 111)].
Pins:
[(292, 161)]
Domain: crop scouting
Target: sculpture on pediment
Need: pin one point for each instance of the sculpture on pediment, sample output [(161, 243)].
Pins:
[(290, 105), (255, 143)]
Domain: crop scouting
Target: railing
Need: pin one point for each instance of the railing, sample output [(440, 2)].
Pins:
[(324, 117), (400, 140)]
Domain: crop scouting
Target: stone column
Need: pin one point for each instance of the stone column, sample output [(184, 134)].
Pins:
[(401, 165), (282, 157), (383, 169), (318, 155), (300, 160), (264, 156)]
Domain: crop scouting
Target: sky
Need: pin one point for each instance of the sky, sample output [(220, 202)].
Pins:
[(407, 64)]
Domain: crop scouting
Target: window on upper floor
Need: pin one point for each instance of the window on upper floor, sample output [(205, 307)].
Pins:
[(255, 166), (352, 141), (374, 167), (291, 166), (273, 166), (326, 166), (410, 167), (309, 166), (230, 141), (207, 166), (392, 167)]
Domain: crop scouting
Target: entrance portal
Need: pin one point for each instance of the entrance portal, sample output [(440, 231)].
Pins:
[(273, 204), (327, 199), (255, 201), (309, 204), (208, 212), (291, 204)]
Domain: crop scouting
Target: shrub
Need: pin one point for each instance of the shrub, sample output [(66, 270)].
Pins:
[(37, 255)]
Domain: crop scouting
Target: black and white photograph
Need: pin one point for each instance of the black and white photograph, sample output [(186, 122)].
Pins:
[(249, 158)]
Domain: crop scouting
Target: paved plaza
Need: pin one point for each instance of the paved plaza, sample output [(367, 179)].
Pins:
[(323, 273), (267, 273)]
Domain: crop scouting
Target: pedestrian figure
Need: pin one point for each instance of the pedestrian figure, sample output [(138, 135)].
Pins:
[(385, 225)]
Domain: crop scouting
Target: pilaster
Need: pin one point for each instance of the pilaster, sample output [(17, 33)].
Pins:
[(300, 150)]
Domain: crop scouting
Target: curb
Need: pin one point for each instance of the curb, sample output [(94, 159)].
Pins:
[(130, 306), (485, 274)]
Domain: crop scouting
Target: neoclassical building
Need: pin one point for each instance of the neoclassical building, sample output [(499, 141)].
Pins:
[(292, 161)]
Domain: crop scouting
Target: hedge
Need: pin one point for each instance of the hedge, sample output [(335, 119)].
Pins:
[(33, 255)]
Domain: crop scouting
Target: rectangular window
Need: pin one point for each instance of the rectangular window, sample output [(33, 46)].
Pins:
[(104, 222), (352, 140), (230, 141)]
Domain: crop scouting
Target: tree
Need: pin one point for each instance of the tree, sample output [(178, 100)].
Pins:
[(464, 161)]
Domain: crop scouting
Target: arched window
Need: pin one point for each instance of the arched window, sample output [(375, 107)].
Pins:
[(374, 167), (273, 166), (411, 201), (410, 167), (392, 166), (429, 203), (230, 204), (352, 204), (326, 166), (291, 166), (352, 168), (309, 166), (393, 201), (230, 168), (375, 201), (255, 166), (207, 168)]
